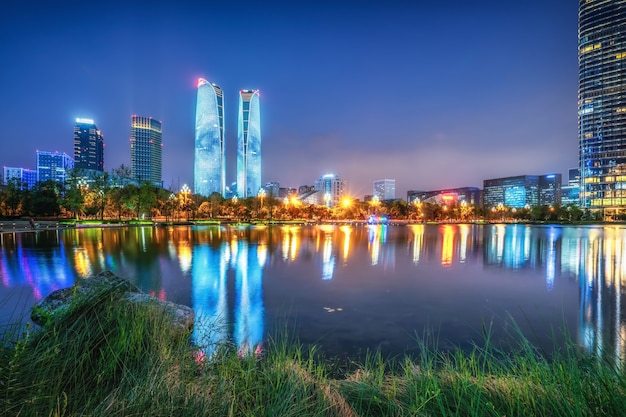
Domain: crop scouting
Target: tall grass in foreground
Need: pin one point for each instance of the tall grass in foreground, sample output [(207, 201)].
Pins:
[(112, 359)]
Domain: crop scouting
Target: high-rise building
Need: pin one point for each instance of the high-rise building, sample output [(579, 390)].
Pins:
[(209, 158), (88, 146), (522, 191), (330, 189), (385, 189), (53, 166), (26, 178), (145, 150), (602, 104), (249, 144)]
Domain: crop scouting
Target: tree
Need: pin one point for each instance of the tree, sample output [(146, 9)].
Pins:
[(45, 199)]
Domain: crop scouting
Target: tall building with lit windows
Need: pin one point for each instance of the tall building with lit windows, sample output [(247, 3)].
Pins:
[(602, 104), (249, 144), (385, 189), (330, 189), (54, 166), (209, 157), (88, 146), (146, 150)]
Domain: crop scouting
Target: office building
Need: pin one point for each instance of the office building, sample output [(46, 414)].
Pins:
[(26, 178), (209, 157), (385, 189), (88, 146), (53, 166), (249, 144), (330, 189), (601, 104), (522, 191), (570, 192), (146, 150), (467, 195)]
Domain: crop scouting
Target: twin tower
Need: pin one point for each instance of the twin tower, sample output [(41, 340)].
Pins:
[(209, 161)]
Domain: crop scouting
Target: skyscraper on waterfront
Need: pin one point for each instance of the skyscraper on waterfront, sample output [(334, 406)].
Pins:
[(331, 189), (249, 144), (146, 150), (54, 166), (602, 104), (209, 157), (385, 189), (88, 145)]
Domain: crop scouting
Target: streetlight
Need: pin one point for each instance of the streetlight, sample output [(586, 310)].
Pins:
[(327, 199), (185, 193), (261, 196)]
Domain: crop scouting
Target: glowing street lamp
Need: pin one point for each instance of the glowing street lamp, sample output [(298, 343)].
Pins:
[(327, 199)]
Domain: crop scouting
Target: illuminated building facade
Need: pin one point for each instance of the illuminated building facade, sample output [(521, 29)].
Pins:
[(145, 150), (249, 144), (330, 189), (469, 195), (26, 178), (570, 193), (385, 189), (53, 166), (209, 157), (601, 104), (522, 191), (88, 146)]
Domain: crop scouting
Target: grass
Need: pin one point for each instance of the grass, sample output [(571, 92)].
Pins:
[(107, 359)]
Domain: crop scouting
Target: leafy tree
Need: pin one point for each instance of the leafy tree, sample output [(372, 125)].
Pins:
[(45, 199)]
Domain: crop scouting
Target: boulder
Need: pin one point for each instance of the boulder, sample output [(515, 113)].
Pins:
[(59, 302)]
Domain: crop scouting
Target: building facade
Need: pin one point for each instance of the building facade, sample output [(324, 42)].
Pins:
[(26, 178), (467, 195), (570, 193), (330, 189), (53, 166), (146, 150), (209, 156), (249, 144), (88, 146), (522, 191), (602, 104), (385, 189)]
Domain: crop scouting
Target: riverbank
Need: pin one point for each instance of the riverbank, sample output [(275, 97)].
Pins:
[(111, 360)]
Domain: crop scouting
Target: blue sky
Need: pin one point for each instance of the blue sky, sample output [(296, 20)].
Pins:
[(433, 94)]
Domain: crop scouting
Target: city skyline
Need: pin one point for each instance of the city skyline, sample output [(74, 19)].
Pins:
[(435, 96)]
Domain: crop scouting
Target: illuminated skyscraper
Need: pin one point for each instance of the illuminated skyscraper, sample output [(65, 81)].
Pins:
[(145, 150), (88, 145), (385, 189), (330, 189), (209, 161), (53, 166), (249, 144), (602, 104)]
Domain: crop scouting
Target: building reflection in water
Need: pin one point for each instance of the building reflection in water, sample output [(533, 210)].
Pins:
[(210, 295), (226, 265)]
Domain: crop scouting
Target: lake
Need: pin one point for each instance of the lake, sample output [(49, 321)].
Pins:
[(349, 288)]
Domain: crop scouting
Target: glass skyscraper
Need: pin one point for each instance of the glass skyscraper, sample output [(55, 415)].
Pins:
[(249, 144), (209, 157), (146, 150), (602, 104), (88, 145)]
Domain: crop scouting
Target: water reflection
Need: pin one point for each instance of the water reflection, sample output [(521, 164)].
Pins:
[(223, 272)]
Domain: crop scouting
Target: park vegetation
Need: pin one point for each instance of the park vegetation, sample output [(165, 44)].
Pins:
[(116, 198), (108, 359)]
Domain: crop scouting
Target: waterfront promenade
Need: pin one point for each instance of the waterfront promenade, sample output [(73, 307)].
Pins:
[(11, 226)]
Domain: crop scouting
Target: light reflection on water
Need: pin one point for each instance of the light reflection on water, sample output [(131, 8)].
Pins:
[(351, 287)]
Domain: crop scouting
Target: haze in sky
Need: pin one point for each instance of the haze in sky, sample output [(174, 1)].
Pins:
[(433, 94)]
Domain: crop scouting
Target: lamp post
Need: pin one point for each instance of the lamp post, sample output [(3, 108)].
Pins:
[(261, 196), (185, 193)]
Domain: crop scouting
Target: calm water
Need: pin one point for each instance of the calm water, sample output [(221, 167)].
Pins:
[(349, 288)]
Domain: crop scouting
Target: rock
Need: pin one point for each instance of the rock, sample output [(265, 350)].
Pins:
[(57, 303)]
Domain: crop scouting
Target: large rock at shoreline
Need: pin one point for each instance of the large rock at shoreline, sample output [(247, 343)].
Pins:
[(58, 302)]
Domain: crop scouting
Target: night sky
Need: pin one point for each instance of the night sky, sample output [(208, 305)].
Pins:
[(436, 94)]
